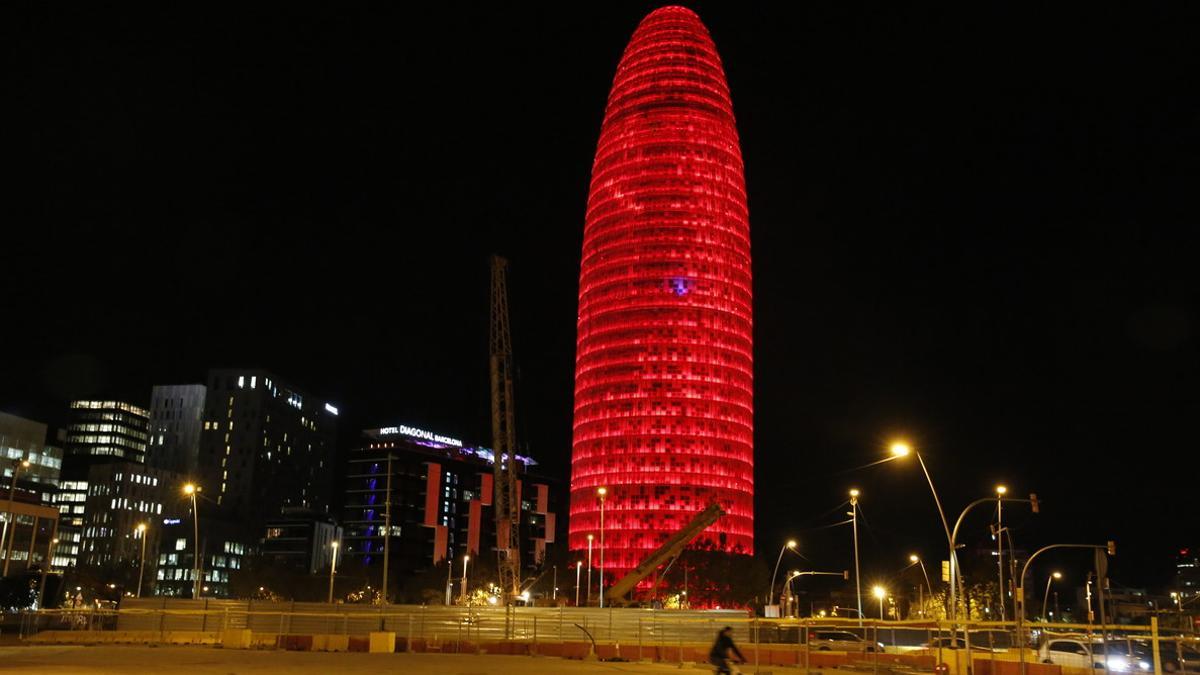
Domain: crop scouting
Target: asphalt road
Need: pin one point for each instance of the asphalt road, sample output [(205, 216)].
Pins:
[(105, 660)]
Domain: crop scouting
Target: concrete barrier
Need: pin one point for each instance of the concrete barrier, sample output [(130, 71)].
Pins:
[(382, 642), (236, 638)]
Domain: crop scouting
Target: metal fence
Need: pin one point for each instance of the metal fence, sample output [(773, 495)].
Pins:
[(466, 628)]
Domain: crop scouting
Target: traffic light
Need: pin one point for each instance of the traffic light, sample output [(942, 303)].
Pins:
[(846, 574), (1033, 502)]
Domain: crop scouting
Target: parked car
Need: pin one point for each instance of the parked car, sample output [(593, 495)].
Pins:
[(954, 643), (833, 640), (1078, 652)]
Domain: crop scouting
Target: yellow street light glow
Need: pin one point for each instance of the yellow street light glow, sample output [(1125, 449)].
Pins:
[(466, 558), (141, 527), (590, 537), (914, 558), (879, 592), (189, 489), (900, 449), (1000, 489), (854, 492), (1057, 575), (791, 543), (334, 544), (25, 464), (602, 491)]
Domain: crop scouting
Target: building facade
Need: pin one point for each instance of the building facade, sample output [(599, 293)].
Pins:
[(25, 440), (121, 496), (664, 366), (176, 419), (441, 503), (222, 550), (99, 433), (265, 446), (300, 540)]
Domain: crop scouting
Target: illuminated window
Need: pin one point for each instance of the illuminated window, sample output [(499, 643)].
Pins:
[(664, 369)]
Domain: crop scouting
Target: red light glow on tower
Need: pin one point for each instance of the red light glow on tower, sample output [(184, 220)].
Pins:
[(664, 367)]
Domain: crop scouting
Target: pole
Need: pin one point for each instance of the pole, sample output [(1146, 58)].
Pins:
[(857, 576), (449, 574), (775, 574), (142, 564), (12, 518), (928, 585), (1000, 550), (578, 569), (464, 579), (554, 593), (602, 493), (198, 565), (589, 579), (332, 570), (47, 564), (1046, 596), (387, 527)]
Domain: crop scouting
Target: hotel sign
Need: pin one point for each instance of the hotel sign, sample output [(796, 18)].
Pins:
[(414, 432)]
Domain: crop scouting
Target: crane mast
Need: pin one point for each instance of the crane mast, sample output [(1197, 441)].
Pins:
[(505, 498)]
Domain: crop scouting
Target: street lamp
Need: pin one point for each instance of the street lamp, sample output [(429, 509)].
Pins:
[(791, 543), (916, 560), (1000, 492), (10, 523), (880, 593), (589, 591), (332, 570), (1046, 595), (602, 492), (464, 579), (854, 522), (578, 569), (190, 490), (141, 531), (901, 449)]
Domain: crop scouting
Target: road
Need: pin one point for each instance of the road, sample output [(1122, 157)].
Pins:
[(107, 660)]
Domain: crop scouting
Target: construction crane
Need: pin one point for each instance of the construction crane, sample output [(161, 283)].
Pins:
[(505, 498), (670, 549)]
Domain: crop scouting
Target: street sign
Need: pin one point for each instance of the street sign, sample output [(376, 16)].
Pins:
[(946, 571)]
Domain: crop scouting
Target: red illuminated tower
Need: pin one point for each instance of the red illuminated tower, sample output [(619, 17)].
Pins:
[(664, 369)]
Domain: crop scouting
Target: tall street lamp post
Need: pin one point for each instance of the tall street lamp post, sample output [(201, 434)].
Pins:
[(11, 519), (1000, 492), (141, 530), (332, 570), (1046, 595), (190, 490), (589, 579), (578, 569), (857, 579), (916, 560), (880, 593), (464, 579), (771, 591), (602, 492)]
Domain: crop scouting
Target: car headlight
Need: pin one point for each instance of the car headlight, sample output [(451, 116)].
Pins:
[(1144, 665), (1118, 663)]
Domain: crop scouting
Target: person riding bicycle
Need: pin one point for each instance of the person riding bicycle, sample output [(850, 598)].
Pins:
[(719, 655)]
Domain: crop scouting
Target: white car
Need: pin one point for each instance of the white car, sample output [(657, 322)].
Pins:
[(1079, 653)]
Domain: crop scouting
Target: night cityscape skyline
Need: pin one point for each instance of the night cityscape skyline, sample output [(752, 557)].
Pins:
[(981, 249)]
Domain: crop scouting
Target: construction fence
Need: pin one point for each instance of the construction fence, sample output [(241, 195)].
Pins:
[(977, 648)]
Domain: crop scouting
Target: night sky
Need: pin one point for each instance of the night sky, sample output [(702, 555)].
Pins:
[(971, 226)]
